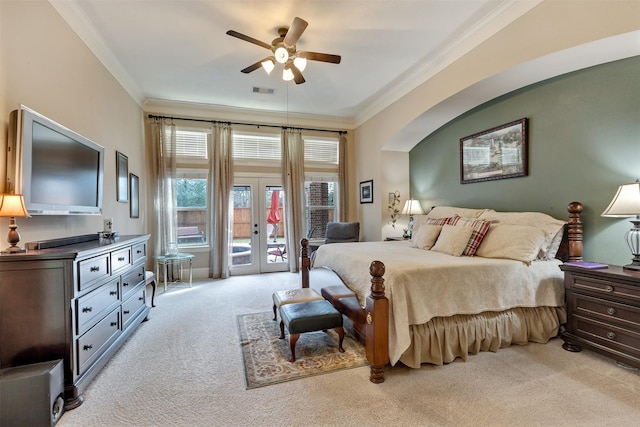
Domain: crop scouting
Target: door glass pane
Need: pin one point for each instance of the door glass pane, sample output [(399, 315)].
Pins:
[(276, 247), (320, 207), (242, 227)]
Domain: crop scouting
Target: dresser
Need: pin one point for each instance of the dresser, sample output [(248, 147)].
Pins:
[(603, 312), (76, 299)]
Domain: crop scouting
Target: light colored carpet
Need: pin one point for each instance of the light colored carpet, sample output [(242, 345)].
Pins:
[(266, 356), (184, 368)]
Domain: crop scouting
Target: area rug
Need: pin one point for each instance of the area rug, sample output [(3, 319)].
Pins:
[(266, 357)]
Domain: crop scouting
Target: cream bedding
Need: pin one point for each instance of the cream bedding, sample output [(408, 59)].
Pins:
[(422, 285)]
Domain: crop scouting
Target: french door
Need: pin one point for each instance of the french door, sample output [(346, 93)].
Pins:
[(258, 226)]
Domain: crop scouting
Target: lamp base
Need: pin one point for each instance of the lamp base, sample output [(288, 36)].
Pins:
[(13, 250), (635, 266)]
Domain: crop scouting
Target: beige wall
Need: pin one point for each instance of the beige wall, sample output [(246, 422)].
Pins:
[(550, 27), (45, 66)]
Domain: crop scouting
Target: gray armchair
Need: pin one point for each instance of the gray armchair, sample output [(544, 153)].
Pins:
[(340, 232)]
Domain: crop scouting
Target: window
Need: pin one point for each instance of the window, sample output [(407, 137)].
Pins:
[(192, 181), (321, 184)]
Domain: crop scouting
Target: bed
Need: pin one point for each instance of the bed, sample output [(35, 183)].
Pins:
[(469, 280)]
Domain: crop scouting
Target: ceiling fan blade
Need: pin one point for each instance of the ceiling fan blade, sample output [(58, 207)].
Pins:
[(295, 31), (248, 39), (323, 57), (255, 66), (297, 75)]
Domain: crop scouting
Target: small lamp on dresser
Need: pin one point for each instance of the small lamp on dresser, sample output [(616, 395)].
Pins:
[(412, 207), (626, 203), (12, 206)]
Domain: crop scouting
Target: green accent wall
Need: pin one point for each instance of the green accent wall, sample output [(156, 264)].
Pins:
[(584, 141)]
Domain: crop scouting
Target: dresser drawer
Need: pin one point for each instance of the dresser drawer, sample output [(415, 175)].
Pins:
[(132, 306), (131, 279), (605, 288), (92, 270), (120, 259), (95, 304), (139, 251), (607, 311), (608, 335), (91, 345)]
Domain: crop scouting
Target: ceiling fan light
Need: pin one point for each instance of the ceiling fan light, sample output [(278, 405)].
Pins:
[(287, 74), (300, 63), (282, 55), (268, 65)]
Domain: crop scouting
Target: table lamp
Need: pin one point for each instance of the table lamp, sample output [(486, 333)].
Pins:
[(412, 207), (12, 206), (626, 203)]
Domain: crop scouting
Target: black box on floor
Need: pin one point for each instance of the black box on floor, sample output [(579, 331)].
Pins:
[(32, 395)]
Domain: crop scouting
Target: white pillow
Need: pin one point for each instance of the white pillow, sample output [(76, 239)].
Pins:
[(511, 241), (426, 236), (445, 211), (452, 240), (548, 224)]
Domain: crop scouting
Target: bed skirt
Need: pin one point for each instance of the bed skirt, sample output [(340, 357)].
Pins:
[(443, 339)]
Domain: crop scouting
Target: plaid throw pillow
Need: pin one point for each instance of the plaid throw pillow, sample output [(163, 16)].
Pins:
[(480, 228)]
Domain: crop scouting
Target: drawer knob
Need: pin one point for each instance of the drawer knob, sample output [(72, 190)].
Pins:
[(611, 335), (120, 258), (94, 268), (126, 312), (112, 293), (125, 284), (608, 288), (87, 309), (141, 299), (611, 311), (114, 323), (138, 251), (87, 347)]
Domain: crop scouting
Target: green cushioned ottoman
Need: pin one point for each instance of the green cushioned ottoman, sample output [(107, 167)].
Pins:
[(309, 316)]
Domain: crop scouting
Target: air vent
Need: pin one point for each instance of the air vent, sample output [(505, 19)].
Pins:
[(263, 90)]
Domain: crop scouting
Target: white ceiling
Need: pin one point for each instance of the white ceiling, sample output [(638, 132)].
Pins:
[(178, 50)]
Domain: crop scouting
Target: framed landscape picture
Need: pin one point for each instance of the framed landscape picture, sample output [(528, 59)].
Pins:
[(366, 191), (497, 153)]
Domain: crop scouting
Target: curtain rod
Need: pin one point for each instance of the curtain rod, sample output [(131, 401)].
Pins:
[(152, 116)]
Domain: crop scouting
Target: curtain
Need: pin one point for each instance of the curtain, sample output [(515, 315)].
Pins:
[(221, 174), (165, 219), (293, 185), (342, 177)]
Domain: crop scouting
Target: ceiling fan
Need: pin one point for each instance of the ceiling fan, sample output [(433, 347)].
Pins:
[(284, 52)]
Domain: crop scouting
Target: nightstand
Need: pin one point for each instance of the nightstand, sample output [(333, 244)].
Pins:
[(603, 312)]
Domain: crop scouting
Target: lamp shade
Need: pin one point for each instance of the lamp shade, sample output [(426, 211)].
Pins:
[(626, 202), (412, 207), (12, 205), (268, 65)]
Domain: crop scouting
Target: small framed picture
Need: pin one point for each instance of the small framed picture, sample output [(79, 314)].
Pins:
[(366, 191), (134, 190), (122, 177)]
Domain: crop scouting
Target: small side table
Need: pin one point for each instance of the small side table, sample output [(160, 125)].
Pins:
[(179, 259)]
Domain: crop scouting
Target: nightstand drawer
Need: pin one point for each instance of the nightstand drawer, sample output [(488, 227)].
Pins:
[(607, 335), (608, 311), (605, 288)]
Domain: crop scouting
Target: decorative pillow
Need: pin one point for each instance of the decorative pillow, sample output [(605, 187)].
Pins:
[(480, 228), (426, 236), (552, 250), (511, 241), (448, 211), (423, 220), (452, 240)]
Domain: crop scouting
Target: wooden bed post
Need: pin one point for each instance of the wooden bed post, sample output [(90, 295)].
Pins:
[(377, 328), (305, 263), (574, 231)]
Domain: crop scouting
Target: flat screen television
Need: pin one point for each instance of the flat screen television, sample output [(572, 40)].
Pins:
[(58, 171)]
